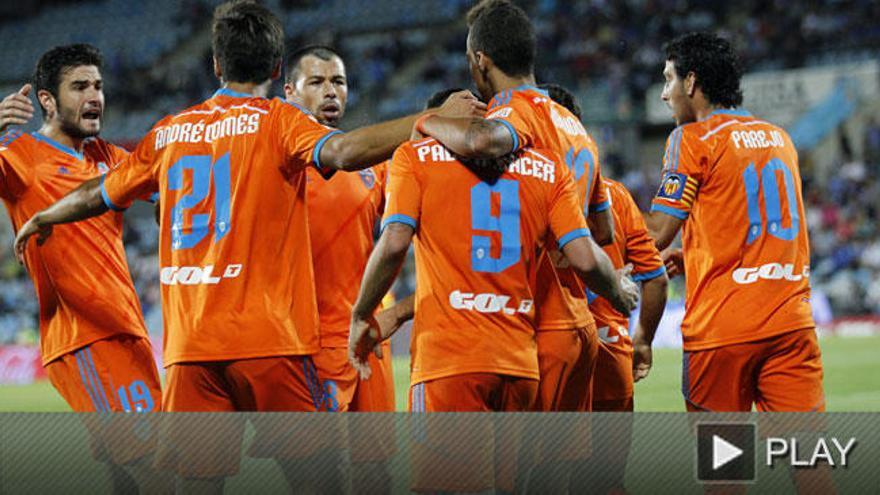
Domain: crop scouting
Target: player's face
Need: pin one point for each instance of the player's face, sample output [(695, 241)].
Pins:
[(80, 102), (477, 74), (322, 88), (676, 96)]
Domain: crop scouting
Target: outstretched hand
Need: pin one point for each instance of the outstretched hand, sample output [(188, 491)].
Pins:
[(364, 337), (30, 228)]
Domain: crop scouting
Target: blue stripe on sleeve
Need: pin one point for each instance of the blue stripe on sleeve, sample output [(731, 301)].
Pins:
[(106, 197), (681, 215), (512, 133), (574, 234), (316, 155), (641, 277), (600, 207), (399, 218), (677, 150)]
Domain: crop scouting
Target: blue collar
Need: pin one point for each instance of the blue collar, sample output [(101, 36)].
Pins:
[(55, 144), (234, 94), (730, 111), (529, 87)]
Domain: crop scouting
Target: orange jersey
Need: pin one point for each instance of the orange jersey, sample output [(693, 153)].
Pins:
[(475, 250), (236, 265), (735, 182), (536, 120), (631, 245), (80, 274), (343, 212)]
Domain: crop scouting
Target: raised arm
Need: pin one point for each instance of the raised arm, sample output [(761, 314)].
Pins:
[(471, 137), (83, 202), (367, 146), (594, 267), (382, 268)]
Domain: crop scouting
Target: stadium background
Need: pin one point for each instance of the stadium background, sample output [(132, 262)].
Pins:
[(812, 67)]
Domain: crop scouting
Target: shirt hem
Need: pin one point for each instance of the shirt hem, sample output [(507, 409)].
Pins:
[(714, 344), (85, 343), (237, 356), (446, 373)]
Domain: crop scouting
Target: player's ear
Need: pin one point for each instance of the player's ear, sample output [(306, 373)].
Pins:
[(484, 62), (289, 90), (690, 84), (217, 70), (47, 100)]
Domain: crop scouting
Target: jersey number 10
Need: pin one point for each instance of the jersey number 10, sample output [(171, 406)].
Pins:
[(773, 205), (204, 173)]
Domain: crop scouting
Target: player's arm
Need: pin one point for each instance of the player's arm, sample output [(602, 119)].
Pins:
[(602, 226), (391, 319), (594, 267), (471, 138), (663, 227), (382, 268), (370, 145), (84, 202), (650, 313)]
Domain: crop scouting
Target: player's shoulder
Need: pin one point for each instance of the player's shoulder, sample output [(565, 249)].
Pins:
[(12, 139), (538, 164)]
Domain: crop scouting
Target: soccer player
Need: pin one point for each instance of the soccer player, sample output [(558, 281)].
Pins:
[(501, 54), (343, 213), (93, 339), (237, 277), (731, 182)]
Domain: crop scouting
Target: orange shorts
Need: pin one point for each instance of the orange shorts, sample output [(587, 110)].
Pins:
[(377, 393), (345, 391), (465, 453), (272, 384), (474, 392), (117, 374), (567, 359), (378, 442), (779, 374), (613, 381)]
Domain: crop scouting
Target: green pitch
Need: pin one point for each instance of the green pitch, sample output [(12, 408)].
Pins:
[(851, 368)]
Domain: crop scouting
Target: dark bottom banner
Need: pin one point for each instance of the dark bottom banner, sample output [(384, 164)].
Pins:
[(439, 453)]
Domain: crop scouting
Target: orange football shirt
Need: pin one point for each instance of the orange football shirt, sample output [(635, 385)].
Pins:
[(80, 274), (535, 120), (343, 212), (735, 182), (475, 248), (631, 245), (236, 264)]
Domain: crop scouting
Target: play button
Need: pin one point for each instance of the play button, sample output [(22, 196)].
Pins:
[(726, 452), (723, 452)]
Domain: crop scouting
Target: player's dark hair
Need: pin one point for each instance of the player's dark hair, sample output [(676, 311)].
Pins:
[(440, 97), (57, 61), (504, 32), (322, 52), (563, 97), (713, 62), (248, 41)]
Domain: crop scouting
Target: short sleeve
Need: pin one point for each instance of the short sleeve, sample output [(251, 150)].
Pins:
[(302, 138), (512, 113), (403, 196), (567, 222), (599, 200), (15, 174), (683, 172), (135, 177), (640, 250)]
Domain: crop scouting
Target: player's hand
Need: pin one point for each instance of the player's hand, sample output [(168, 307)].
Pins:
[(643, 357), (364, 337), (673, 258), (16, 109), (388, 323), (32, 227), (462, 104), (629, 292)]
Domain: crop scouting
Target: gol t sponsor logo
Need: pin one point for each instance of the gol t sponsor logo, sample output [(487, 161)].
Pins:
[(770, 271), (487, 303), (196, 275)]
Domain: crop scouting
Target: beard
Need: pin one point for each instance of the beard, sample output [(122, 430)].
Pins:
[(68, 123)]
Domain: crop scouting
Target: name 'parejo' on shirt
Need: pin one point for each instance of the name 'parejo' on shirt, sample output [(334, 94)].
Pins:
[(198, 132), (530, 164)]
